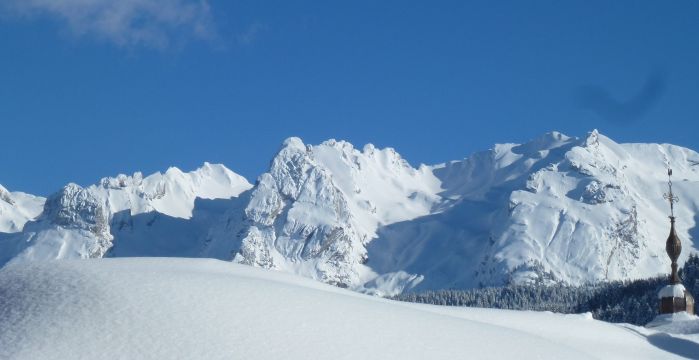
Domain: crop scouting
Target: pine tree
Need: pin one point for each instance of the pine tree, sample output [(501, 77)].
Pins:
[(632, 302)]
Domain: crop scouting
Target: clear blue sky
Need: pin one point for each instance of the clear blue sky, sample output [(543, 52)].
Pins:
[(91, 89)]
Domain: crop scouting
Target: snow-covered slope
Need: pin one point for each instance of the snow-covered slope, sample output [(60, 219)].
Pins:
[(557, 208), (316, 209), (16, 208), (162, 215), (554, 209), (207, 309)]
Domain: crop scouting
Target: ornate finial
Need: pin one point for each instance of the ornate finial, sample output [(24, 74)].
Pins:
[(673, 246), (674, 297), (669, 196)]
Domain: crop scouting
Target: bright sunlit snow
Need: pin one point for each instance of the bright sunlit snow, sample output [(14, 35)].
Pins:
[(555, 209), (16, 208), (207, 309)]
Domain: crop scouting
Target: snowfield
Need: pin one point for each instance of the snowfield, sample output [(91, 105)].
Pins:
[(556, 209), (166, 308), (16, 208)]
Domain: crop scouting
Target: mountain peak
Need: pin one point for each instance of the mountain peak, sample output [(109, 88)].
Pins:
[(592, 138), (294, 143), (556, 208), (174, 171), (545, 142), (16, 209), (69, 188), (5, 195)]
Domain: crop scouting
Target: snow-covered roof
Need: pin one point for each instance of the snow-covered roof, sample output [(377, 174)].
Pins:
[(671, 291)]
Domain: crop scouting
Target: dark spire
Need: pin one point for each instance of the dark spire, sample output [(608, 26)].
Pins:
[(673, 246), (674, 297)]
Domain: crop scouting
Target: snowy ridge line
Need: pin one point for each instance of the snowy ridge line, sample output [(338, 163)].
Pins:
[(557, 209), (17, 208), (115, 216)]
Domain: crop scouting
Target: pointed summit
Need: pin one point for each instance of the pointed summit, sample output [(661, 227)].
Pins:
[(548, 141), (592, 138), (5, 196), (17, 208), (294, 143)]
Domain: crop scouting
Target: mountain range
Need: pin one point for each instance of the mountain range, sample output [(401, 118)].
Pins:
[(554, 209)]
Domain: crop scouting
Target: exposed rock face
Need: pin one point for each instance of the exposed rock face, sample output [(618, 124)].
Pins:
[(5, 196), (581, 221), (310, 213), (555, 209), (151, 216), (76, 208)]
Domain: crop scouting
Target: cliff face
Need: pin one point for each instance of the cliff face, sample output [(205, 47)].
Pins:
[(316, 209), (555, 209), (151, 216)]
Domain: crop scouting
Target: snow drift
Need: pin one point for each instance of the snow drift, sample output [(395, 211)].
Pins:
[(207, 309)]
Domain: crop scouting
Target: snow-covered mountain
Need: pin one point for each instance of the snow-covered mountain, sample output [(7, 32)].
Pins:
[(554, 209), (16, 208), (159, 215), (318, 207), (557, 208)]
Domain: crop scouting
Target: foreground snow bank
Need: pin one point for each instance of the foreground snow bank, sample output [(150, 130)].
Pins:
[(677, 323), (207, 309)]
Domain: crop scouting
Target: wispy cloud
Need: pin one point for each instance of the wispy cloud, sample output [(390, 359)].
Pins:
[(127, 23), (601, 102), (251, 33)]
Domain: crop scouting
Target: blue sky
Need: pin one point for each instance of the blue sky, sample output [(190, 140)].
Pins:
[(96, 88)]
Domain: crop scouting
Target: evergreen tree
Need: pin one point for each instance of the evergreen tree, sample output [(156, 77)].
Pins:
[(634, 302)]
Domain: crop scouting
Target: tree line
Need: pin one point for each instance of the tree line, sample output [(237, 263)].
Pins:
[(629, 301)]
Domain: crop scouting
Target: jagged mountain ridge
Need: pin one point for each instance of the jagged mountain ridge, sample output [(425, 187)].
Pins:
[(554, 209), (17, 208), (557, 208), (319, 206), (127, 216)]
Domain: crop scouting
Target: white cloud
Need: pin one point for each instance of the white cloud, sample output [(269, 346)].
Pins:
[(153, 23), (251, 33)]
